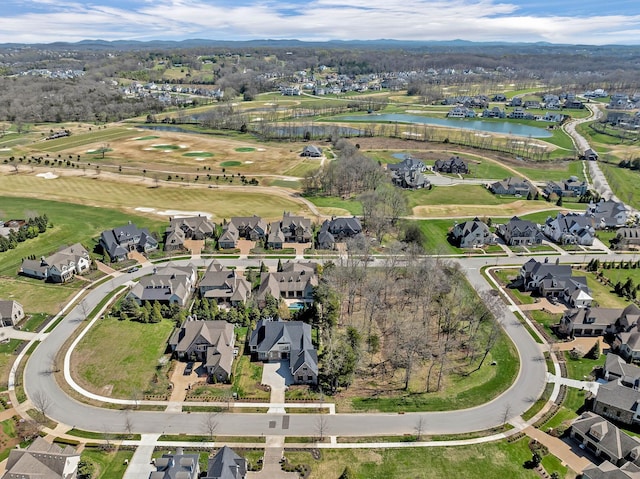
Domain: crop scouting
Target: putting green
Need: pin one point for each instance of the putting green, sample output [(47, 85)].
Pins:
[(199, 154), (230, 163), (166, 147), (245, 149)]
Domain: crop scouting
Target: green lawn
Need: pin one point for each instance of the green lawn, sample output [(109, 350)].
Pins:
[(622, 274), (7, 357), (582, 368), (487, 170), (496, 460), (119, 358), (545, 319), (350, 206), (75, 141), (435, 234), (109, 465), (71, 223), (303, 169), (456, 195), (624, 183), (553, 171), (36, 295), (603, 294)]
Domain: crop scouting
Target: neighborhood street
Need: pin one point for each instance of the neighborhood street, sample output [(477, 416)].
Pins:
[(523, 393)]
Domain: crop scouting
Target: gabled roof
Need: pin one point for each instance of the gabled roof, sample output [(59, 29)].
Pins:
[(616, 395), (609, 438), (226, 464), (42, 460)]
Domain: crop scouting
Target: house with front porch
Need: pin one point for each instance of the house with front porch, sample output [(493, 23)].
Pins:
[(59, 267), (226, 464), (555, 281), (607, 214), (520, 232), (276, 340), (252, 228), (618, 402), (571, 228), (224, 285), (627, 238), (211, 342), (296, 284), (337, 230), (455, 165), (513, 187), (167, 285), (472, 234), (589, 321), (177, 466)]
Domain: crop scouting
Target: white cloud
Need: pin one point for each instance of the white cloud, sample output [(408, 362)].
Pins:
[(316, 20)]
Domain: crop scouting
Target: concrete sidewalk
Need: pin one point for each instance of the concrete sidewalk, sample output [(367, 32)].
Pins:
[(140, 465)]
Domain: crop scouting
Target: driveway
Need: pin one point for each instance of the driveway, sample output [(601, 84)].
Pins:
[(277, 376), (544, 304), (245, 246)]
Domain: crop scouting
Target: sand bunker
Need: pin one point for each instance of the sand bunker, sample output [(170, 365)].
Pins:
[(91, 151), (173, 213), (47, 176), (5, 149), (261, 149), (248, 162)]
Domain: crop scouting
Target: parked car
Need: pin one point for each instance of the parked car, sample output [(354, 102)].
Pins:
[(188, 368), (133, 270)]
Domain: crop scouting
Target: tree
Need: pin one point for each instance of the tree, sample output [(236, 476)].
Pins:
[(419, 428), (321, 427), (42, 403), (559, 202), (594, 352), (347, 474), (210, 425)]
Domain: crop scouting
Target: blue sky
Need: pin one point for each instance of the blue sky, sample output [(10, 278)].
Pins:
[(562, 21)]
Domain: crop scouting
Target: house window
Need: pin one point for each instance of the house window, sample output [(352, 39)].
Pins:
[(309, 378)]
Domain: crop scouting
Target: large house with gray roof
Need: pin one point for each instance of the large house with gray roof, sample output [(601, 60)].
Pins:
[(189, 228), (275, 340), (472, 234), (211, 342), (569, 187), (571, 228), (59, 267), (618, 402), (42, 460), (520, 232), (590, 321), (551, 280), (226, 464), (168, 285), (627, 238), (177, 466), (607, 214), (337, 230), (224, 285), (251, 228), (294, 284), (119, 242), (513, 187), (455, 165)]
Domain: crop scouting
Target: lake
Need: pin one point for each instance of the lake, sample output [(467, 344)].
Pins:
[(504, 127)]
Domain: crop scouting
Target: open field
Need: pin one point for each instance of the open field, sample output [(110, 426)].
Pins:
[(37, 296), (623, 182), (72, 142), (119, 358), (496, 460), (106, 191)]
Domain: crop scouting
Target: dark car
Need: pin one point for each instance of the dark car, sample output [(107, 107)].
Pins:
[(188, 368)]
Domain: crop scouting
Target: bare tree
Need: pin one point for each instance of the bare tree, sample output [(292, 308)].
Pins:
[(128, 422), (420, 427), (210, 425), (42, 403), (321, 427), (506, 415), (53, 361)]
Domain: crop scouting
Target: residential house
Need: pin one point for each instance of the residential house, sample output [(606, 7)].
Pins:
[(590, 155), (571, 228), (11, 313), (408, 164), (461, 112), (555, 281), (573, 104), (337, 230), (168, 285), (495, 112), (177, 466), (532, 104), (520, 113), (627, 237), (226, 464), (520, 232), (229, 237), (617, 369), (604, 440), (275, 340), (211, 342), (275, 239), (41, 460), (288, 285), (500, 97), (181, 229), (226, 286), (606, 470), (455, 165), (295, 229), (119, 242), (59, 267), (512, 186), (252, 228), (590, 321), (617, 402), (515, 102), (607, 214), (569, 187), (311, 151), (472, 234), (552, 117), (410, 179)]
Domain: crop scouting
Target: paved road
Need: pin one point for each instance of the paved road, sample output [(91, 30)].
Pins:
[(515, 401)]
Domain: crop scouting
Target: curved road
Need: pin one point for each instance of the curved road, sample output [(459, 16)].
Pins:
[(522, 394)]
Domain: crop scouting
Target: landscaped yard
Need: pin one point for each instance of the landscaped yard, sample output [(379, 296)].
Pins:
[(36, 295), (583, 368), (496, 460), (121, 358), (603, 294), (109, 464)]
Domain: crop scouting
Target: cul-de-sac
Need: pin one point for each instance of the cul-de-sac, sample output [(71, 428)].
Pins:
[(250, 260)]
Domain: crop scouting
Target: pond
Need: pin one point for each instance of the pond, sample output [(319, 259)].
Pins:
[(505, 127)]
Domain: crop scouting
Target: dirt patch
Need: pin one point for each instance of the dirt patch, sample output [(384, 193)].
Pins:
[(516, 208)]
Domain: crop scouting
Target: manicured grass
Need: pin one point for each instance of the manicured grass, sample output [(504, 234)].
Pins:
[(553, 171), (435, 234), (36, 295), (7, 357), (100, 435), (496, 460), (247, 376), (350, 206), (545, 319), (602, 293), (33, 322), (109, 465), (303, 169), (294, 185), (245, 149), (227, 164), (582, 368), (198, 154), (464, 392), (456, 195), (75, 141), (624, 183), (124, 196), (614, 275), (119, 358), (72, 223), (166, 147), (487, 170)]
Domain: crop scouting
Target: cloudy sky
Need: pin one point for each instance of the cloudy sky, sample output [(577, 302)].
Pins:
[(561, 21)]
